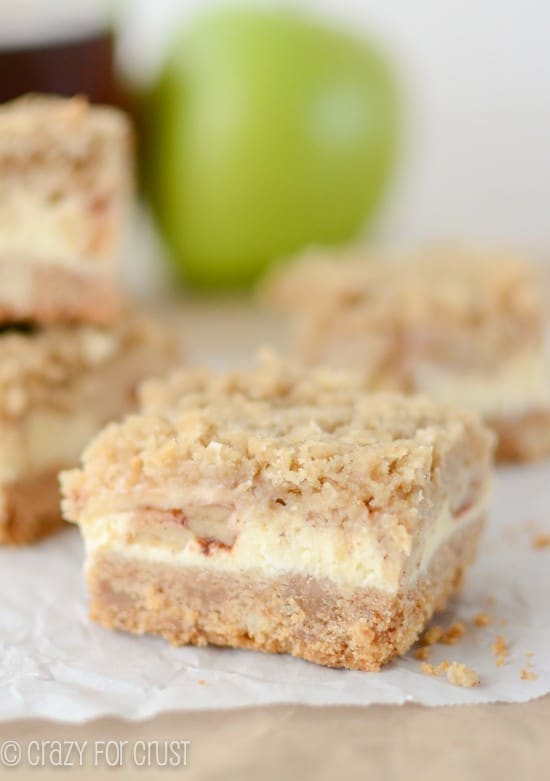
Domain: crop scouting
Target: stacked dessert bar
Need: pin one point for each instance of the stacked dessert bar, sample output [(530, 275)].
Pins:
[(71, 350)]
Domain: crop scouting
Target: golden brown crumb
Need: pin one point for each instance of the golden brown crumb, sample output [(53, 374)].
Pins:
[(423, 653), (529, 654), (460, 675), (438, 634), (202, 682), (527, 675), (491, 600), (483, 619), (453, 634), (432, 635), (429, 669), (499, 649), (457, 674), (541, 541)]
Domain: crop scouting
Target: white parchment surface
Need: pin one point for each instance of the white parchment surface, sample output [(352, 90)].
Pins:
[(56, 664)]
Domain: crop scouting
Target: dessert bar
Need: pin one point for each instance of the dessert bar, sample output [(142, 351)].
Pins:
[(467, 328), (58, 387), (280, 509), (65, 185)]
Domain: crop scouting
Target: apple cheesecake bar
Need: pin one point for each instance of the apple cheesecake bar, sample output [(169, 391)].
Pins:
[(467, 328), (280, 509), (58, 386), (65, 186)]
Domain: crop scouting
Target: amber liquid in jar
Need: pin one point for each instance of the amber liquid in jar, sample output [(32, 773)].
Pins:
[(52, 48)]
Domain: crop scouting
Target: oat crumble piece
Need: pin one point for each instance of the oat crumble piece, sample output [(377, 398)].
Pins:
[(500, 651), (423, 653), (483, 619), (460, 675), (527, 675)]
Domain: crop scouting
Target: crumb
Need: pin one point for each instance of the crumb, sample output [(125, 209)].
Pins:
[(529, 654), (432, 635), (202, 682), (483, 619), (429, 669), (423, 653), (460, 675), (541, 541), (438, 634), (499, 649), (453, 634), (491, 600), (527, 675), (457, 674)]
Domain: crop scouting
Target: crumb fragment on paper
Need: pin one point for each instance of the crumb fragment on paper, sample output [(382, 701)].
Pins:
[(483, 618), (527, 675), (458, 674), (541, 541), (438, 634), (423, 653), (499, 649)]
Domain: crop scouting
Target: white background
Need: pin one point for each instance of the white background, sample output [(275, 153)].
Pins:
[(476, 81)]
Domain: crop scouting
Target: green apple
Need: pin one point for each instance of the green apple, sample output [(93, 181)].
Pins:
[(267, 133)]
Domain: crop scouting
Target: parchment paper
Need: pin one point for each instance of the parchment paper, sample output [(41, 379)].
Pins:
[(58, 665)]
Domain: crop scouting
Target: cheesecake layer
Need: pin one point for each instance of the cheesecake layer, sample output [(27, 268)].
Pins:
[(219, 539)]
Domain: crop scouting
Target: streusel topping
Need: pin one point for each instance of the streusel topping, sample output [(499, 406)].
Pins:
[(280, 427), (35, 362), (39, 125), (441, 293)]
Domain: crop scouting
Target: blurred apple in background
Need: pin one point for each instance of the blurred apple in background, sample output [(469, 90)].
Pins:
[(266, 133)]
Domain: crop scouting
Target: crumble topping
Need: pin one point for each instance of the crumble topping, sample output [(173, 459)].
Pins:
[(38, 365), (36, 128), (297, 431), (492, 295)]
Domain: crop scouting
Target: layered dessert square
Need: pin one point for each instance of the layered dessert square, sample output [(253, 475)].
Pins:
[(280, 509), (467, 328), (58, 386), (65, 184)]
